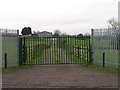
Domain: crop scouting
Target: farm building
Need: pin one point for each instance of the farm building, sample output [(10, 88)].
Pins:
[(44, 34)]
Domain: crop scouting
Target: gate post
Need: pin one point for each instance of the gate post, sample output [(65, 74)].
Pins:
[(92, 47), (20, 51), (24, 51), (89, 50), (118, 42)]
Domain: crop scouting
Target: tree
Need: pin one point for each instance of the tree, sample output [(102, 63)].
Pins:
[(57, 33), (26, 31), (87, 34), (80, 35), (113, 23), (34, 32)]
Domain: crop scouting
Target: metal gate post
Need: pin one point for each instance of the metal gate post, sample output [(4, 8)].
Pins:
[(89, 50), (20, 51), (92, 46), (24, 51)]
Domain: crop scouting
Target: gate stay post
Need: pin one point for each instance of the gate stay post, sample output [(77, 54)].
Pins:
[(103, 59), (5, 56)]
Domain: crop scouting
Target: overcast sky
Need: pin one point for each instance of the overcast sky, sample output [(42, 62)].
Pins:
[(68, 16)]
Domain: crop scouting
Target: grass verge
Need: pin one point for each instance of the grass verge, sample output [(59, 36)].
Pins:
[(16, 68), (100, 68)]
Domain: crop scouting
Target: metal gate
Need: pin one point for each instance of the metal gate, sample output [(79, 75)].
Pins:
[(54, 50)]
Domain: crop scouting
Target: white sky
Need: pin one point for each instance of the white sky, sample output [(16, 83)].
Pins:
[(68, 16)]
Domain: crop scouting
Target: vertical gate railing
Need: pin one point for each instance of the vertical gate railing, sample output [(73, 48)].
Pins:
[(55, 50)]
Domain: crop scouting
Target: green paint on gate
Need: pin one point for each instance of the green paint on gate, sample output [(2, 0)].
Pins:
[(54, 50)]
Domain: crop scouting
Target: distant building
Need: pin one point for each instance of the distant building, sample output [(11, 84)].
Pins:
[(44, 34)]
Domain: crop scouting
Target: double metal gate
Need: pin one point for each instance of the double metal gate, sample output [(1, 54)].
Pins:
[(54, 50)]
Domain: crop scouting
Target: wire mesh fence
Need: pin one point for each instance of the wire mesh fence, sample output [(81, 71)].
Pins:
[(10, 46), (105, 49), (8, 32)]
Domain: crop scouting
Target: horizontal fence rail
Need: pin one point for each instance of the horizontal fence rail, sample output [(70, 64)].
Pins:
[(54, 50)]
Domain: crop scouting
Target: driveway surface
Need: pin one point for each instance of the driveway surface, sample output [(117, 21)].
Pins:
[(59, 76)]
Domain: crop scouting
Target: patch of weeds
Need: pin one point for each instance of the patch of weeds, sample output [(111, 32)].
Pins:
[(16, 68), (101, 68)]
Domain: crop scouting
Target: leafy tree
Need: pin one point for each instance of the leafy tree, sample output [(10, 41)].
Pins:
[(80, 35), (57, 33), (112, 23), (26, 31)]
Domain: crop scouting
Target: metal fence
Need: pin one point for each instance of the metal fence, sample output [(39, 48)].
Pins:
[(10, 47), (54, 50), (105, 47)]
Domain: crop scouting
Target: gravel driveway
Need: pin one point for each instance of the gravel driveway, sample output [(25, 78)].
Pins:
[(62, 76)]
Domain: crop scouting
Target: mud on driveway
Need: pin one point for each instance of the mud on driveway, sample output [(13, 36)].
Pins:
[(62, 76)]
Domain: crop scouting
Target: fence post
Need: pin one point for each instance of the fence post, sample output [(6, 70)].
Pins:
[(118, 42), (89, 52), (24, 50), (92, 46), (18, 46), (20, 51), (5, 56), (103, 59)]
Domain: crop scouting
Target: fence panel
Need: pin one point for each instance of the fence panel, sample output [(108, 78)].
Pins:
[(105, 41), (10, 43)]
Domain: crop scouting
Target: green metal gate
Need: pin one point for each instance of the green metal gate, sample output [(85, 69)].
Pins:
[(54, 50)]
